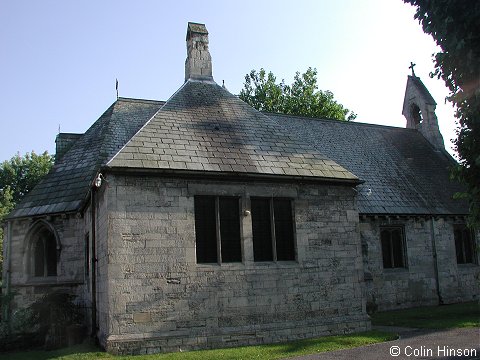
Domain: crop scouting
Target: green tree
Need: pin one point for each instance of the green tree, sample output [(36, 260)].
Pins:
[(454, 25), (22, 173), (6, 205), (17, 177), (301, 98)]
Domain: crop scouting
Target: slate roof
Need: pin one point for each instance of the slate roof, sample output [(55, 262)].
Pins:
[(204, 128), (65, 188), (405, 174)]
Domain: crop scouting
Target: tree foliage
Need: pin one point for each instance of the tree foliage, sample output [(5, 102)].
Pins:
[(22, 173), (302, 97), (17, 177), (454, 25), (6, 205)]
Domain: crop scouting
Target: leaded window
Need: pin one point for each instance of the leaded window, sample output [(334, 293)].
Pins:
[(464, 245), (393, 247), (44, 254), (273, 229), (217, 229)]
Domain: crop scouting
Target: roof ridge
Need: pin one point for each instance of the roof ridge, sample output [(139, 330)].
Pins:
[(140, 100), (146, 123), (104, 144), (339, 121), (70, 133)]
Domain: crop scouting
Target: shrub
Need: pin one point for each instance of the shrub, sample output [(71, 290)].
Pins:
[(43, 323)]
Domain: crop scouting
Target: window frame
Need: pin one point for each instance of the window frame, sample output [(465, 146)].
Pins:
[(40, 233), (46, 239), (44, 253), (464, 246), (218, 230), (273, 235), (403, 244)]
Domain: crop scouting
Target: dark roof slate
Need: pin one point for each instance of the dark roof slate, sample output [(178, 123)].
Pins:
[(66, 186), (405, 173), (203, 127)]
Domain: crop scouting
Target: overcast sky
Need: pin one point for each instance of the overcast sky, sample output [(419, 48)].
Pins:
[(59, 59)]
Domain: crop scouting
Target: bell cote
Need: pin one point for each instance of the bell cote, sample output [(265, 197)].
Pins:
[(419, 110)]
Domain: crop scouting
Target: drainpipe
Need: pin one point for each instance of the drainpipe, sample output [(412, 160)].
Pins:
[(435, 261), (8, 252), (93, 264)]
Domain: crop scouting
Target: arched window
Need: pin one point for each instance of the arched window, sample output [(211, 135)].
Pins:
[(45, 254), (42, 250)]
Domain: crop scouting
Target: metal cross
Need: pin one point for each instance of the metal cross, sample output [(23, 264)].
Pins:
[(411, 67)]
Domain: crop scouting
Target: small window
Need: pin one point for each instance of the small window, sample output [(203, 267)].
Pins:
[(393, 247), (217, 229), (464, 245), (273, 229), (45, 254)]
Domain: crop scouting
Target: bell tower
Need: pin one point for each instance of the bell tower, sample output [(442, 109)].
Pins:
[(419, 110)]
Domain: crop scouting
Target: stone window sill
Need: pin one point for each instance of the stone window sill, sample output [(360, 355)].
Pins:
[(467, 267), (396, 273), (248, 265), (49, 281), (204, 267), (279, 264), (395, 270)]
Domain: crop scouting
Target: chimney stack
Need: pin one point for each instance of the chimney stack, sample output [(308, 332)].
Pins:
[(198, 65), (63, 143)]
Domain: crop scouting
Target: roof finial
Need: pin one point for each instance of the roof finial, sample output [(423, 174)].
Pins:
[(116, 86), (412, 65)]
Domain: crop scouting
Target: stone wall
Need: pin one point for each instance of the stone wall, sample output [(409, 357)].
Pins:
[(419, 110), (102, 230), (416, 284), (72, 230), (161, 300), (458, 282), (70, 261)]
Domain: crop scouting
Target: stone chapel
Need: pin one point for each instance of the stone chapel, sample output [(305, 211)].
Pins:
[(199, 222)]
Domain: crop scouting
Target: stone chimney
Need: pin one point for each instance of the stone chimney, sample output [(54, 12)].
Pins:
[(419, 110), (198, 65), (64, 142)]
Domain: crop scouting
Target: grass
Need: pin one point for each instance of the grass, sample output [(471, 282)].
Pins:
[(432, 317), (273, 351)]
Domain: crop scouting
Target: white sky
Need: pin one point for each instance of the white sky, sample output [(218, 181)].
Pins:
[(59, 59)]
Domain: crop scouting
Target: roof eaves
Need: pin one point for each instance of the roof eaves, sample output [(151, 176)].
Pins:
[(239, 176)]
